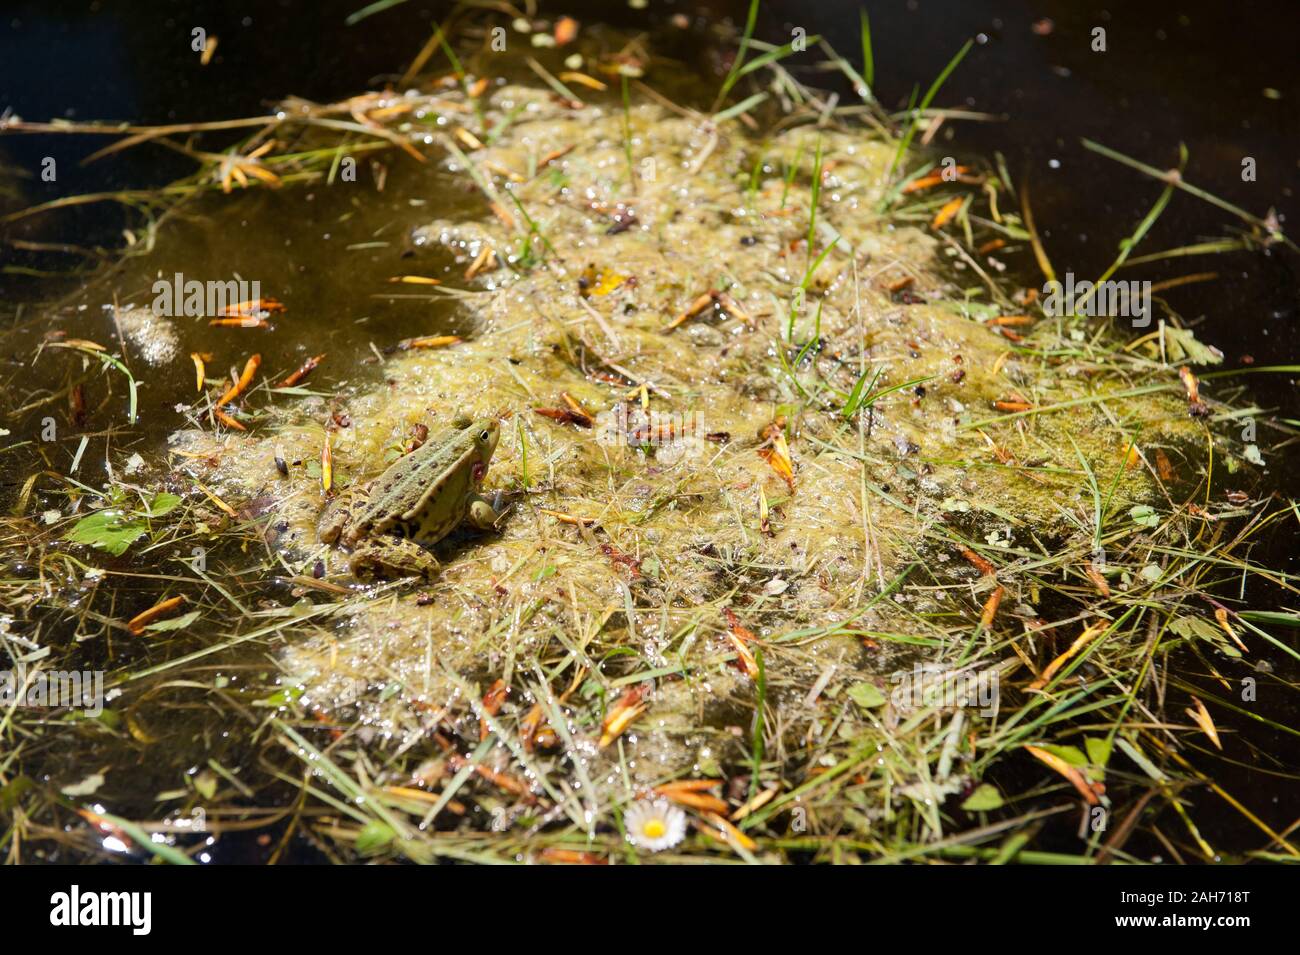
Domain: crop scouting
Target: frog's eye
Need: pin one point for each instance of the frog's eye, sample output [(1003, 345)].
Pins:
[(484, 435)]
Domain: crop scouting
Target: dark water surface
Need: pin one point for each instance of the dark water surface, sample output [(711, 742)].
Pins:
[(1221, 78)]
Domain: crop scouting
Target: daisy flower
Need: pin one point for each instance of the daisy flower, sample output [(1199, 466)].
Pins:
[(654, 824)]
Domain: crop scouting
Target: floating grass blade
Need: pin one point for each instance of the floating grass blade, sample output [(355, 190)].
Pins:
[(734, 73), (906, 142), (868, 59), (1178, 183)]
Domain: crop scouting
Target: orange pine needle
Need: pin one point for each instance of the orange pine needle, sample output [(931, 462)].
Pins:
[(701, 302), (200, 370), (252, 308), (492, 700), (305, 369), (247, 322), (431, 341), (621, 715), (726, 833), (138, 623), (1090, 633), (415, 279), (945, 214), (1202, 718), (978, 562), (1089, 791), (991, 607), (237, 389), (1097, 579), (693, 798), (582, 79), (227, 420)]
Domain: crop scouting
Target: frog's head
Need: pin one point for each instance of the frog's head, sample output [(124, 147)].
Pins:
[(486, 433)]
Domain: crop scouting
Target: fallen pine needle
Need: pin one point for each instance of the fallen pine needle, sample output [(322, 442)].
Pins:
[(582, 79), (755, 804), (564, 518), (237, 389), (138, 623), (415, 279), (216, 500), (326, 465), (200, 370), (725, 832), (227, 420), (621, 715), (430, 341), (1090, 633), (305, 369), (991, 607), (1089, 791), (978, 562), (945, 214), (249, 321), (1203, 719)]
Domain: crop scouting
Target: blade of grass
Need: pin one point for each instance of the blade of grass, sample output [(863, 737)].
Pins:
[(939, 80), (734, 73)]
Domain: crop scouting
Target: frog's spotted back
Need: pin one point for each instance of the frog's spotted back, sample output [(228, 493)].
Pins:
[(420, 499)]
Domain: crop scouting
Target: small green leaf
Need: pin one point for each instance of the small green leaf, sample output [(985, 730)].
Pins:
[(163, 503), (1071, 754), (1098, 754), (282, 697), (1098, 750), (108, 530), (14, 791), (86, 787), (1181, 343), (1144, 516), (1199, 628), (174, 623), (866, 695), (984, 798), (205, 783), (374, 837)]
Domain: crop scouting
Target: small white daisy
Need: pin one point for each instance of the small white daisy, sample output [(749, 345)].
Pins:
[(654, 824)]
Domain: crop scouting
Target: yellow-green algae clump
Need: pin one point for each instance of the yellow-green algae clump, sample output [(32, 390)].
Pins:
[(678, 567)]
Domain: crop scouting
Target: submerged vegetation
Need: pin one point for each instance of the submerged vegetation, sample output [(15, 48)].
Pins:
[(821, 539)]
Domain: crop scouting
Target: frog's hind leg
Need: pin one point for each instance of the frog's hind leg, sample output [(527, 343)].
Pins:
[(395, 557)]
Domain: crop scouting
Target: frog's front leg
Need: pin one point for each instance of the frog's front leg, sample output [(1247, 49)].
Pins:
[(337, 517), (385, 556), (481, 514)]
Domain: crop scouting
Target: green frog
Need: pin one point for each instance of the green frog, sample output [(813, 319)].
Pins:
[(388, 524)]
